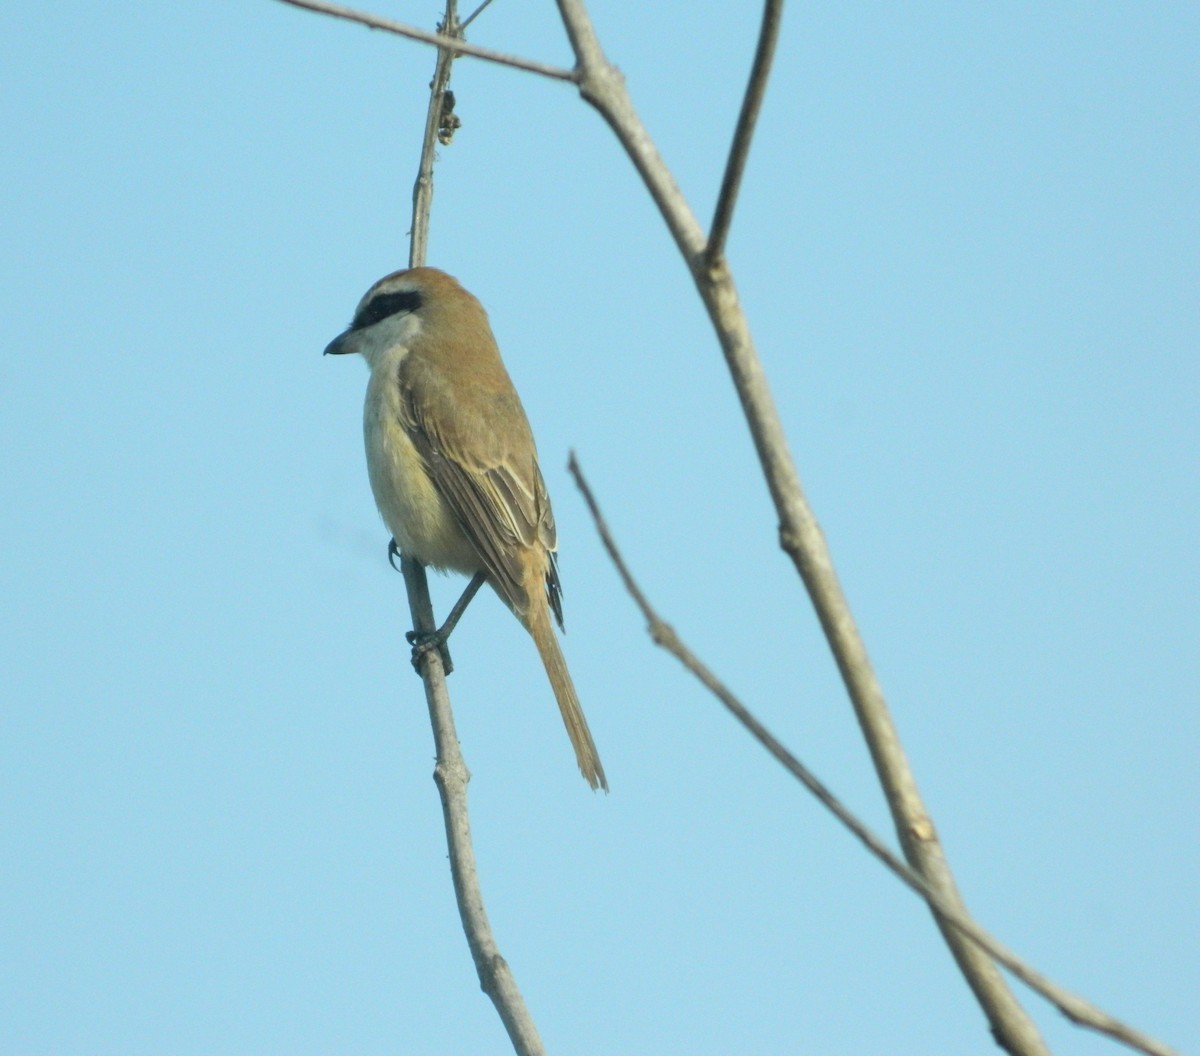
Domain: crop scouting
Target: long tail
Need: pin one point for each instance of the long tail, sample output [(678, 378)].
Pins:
[(538, 622)]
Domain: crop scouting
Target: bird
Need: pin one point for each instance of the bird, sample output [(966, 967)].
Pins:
[(453, 465)]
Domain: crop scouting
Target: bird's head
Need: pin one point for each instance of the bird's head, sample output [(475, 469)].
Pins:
[(418, 307)]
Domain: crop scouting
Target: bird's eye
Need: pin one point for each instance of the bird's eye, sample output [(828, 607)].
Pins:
[(387, 304)]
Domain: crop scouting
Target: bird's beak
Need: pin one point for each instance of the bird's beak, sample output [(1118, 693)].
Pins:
[(338, 346)]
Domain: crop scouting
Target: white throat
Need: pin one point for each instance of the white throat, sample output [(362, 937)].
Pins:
[(386, 343)]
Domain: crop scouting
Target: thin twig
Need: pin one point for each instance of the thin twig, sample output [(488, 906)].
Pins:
[(453, 44), (663, 634), (450, 772), (735, 166), (422, 196), (474, 14)]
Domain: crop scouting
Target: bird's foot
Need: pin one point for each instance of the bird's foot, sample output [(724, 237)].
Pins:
[(426, 643)]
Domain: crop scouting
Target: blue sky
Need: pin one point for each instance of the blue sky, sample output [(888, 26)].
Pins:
[(968, 246)]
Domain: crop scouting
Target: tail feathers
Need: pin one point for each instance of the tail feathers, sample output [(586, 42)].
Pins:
[(564, 692)]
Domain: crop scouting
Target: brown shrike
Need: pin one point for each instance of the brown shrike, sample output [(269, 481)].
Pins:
[(452, 461)]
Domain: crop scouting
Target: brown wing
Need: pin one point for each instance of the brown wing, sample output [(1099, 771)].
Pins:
[(482, 460)]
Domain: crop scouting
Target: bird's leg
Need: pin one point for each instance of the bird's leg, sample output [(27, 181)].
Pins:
[(422, 643)]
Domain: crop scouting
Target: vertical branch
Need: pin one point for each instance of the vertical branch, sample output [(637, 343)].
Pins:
[(423, 187), (450, 772)]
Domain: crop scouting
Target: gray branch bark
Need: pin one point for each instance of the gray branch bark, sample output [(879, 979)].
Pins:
[(602, 85), (663, 634)]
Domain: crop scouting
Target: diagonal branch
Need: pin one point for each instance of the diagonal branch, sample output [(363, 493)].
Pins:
[(602, 86), (735, 166), (1074, 1007), (455, 45), (474, 14)]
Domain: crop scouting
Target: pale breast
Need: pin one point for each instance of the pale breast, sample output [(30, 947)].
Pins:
[(420, 520)]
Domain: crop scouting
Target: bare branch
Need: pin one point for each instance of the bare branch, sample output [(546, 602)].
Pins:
[(740, 151), (450, 772), (439, 87), (455, 45), (601, 85), (474, 14), (451, 775), (663, 634)]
